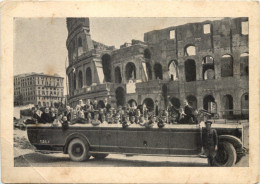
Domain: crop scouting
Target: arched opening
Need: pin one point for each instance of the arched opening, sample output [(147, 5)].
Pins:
[(106, 64), (101, 104), (173, 70), (149, 104), (147, 54), (192, 100), (88, 77), (244, 64), (245, 105), (74, 51), (158, 71), (44, 104), (207, 102), (120, 96), (190, 70), (165, 95), (175, 102), (118, 78), (130, 71), (208, 71), (190, 50), (130, 102), (80, 47), (47, 104), (39, 104), (80, 79), (149, 71), (74, 81), (226, 66), (227, 103)]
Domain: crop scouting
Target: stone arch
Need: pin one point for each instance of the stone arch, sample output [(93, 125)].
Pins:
[(149, 103), (88, 76), (176, 102), (149, 70), (74, 81), (190, 50), (106, 64), (226, 65), (80, 46), (165, 94), (130, 102), (192, 100), (130, 71), (206, 102), (147, 54), (80, 79), (244, 64), (118, 78), (208, 68), (190, 70), (120, 96), (158, 71), (173, 70), (227, 103), (245, 105)]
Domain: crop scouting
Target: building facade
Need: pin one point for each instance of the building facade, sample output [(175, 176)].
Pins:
[(39, 89), (205, 63)]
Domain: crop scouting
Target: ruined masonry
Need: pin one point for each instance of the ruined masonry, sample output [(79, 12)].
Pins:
[(202, 62)]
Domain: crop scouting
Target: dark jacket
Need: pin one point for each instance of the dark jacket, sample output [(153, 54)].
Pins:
[(46, 118)]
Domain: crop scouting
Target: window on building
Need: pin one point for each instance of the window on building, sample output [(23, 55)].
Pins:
[(226, 66), (190, 50), (190, 70), (244, 64), (106, 64), (244, 28), (206, 28), (172, 34), (158, 71), (173, 70)]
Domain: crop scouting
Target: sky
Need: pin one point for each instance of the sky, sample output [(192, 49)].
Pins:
[(40, 43)]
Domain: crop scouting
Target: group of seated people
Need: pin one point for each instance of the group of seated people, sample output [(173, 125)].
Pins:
[(92, 113)]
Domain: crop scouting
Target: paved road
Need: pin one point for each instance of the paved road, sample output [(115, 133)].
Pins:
[(61, 160)]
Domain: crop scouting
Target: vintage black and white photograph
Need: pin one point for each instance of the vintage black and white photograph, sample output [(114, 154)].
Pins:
[(131, 92)]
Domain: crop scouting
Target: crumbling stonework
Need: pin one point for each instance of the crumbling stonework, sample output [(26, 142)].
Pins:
[(201, 62)]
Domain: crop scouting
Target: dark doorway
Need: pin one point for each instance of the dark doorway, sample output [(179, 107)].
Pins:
[(120, 96), (130, 71), (228, 105), (149, 71), (88, 77), (245, 105), (149, 104), (147, 54), (158, 71), (192, 100), (226, 66), (118, 78), (206, 102), (190, 70), (244, 64), (106, 64), (165, 95), (175, 102), (80, 79)]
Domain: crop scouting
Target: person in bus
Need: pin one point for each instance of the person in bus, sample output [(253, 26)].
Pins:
[(37, 114), (95, 105), (125, 121), (67, 113), (96, 121), (188, 111), (107, 105), (46, 117)]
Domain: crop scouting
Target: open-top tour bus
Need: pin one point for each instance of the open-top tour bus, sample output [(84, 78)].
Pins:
[(81, 141)]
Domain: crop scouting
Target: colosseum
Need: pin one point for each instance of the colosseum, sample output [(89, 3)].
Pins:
[(205, 63)]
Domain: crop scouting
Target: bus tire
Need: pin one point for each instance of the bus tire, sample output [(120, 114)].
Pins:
[(78, 150), (226, 155)]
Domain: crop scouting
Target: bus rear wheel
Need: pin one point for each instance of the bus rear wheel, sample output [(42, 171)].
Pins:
[(78, 150)]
